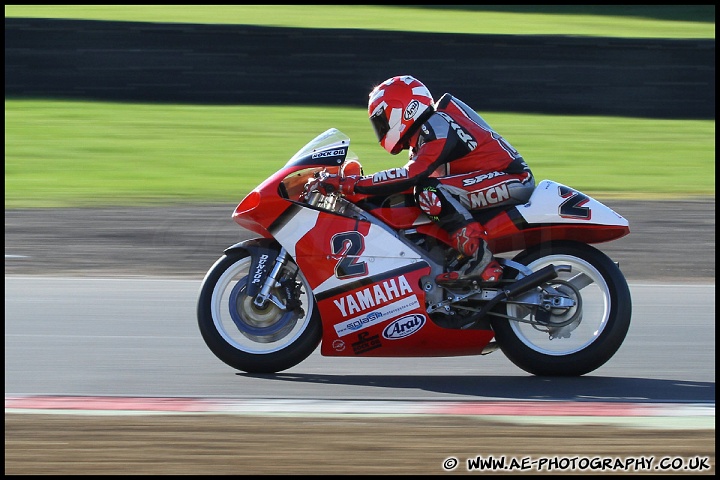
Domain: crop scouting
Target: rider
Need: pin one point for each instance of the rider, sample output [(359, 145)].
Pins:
[(457, 164)]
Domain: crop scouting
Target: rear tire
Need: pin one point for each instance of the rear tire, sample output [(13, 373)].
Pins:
[(596, 328)]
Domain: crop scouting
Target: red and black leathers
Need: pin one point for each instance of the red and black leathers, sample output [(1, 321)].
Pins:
[(457, 163)]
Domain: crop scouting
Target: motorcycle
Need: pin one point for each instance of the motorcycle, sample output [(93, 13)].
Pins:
[(356, 274)]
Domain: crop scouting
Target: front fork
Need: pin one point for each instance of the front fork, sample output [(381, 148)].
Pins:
[(271, 281)]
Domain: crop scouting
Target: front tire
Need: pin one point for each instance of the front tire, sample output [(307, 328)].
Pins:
[(252, 339), (573, 341)]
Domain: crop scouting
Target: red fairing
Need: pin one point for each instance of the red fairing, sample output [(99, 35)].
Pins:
[(507, 232), (429, 341), (311, 250), (262, 206), (400, 217), (387, 318)]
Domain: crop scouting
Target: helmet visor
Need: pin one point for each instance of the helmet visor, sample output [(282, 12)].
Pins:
[(380, 124)]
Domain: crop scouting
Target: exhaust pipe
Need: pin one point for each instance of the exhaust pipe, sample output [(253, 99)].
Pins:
[(489, 348), (534, 279), (543, 275)]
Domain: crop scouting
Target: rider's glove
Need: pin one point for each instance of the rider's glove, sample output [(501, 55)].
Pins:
[(336, 183)]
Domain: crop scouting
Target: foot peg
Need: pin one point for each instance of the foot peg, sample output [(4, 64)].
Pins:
[(491, 275)]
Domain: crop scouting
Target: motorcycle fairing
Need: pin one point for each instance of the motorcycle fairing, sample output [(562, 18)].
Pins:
[(334, 250), (366, 280), (386, 317), (553, 202), (399, 211), (554, 212)]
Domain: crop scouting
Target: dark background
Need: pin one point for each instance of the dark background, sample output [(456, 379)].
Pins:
[(240, 64)]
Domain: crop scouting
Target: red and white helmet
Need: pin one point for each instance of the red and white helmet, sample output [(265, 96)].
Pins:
[(394, 107)]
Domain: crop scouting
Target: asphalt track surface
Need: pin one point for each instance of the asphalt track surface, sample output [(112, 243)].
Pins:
[(669, 241)]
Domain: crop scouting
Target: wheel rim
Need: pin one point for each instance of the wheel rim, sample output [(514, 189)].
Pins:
[(249, 328), (585, 325)]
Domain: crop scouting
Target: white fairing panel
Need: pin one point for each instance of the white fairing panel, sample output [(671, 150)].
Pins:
[(381, 251), (553, 202)]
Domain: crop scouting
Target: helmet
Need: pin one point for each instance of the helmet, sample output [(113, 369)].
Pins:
[(394, 107)]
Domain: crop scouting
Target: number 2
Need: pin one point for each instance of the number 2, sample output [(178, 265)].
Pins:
[(348, 245), (573, 205)]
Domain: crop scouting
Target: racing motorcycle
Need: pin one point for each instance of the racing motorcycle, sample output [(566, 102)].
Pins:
[(355, 275)]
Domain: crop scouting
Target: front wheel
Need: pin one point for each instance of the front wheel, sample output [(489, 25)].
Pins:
[(250, 338), (584, 320)]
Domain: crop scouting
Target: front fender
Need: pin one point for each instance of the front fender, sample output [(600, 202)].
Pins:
[(253, 244)]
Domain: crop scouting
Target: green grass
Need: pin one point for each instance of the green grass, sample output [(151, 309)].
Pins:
[(70, 153), (631, 21)]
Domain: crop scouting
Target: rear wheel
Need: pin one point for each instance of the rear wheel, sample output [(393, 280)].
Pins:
[(585, 319)]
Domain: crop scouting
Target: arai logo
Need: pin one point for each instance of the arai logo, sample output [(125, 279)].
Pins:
[(411, 109), (404, 327)]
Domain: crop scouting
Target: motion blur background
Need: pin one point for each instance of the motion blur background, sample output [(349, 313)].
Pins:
[(248, 64), (141, 104)]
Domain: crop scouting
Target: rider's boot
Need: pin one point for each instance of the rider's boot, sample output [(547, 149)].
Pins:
[(480, 265)]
